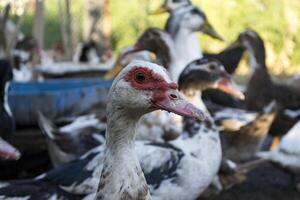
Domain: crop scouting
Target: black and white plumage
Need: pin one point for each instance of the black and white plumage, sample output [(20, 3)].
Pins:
[(72, 140)]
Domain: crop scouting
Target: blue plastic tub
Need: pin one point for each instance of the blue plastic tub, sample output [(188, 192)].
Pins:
[(55, 98)]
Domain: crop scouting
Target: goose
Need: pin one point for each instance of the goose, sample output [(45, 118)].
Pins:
[(287, 154), (141, 87), (261, 89)]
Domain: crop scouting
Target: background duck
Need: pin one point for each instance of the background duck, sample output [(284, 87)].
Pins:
[(72, 140), (191, 20), (261, 89), (229, 57), (243, 144)]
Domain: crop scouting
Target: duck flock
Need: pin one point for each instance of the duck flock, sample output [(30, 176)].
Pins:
[(213, 134)]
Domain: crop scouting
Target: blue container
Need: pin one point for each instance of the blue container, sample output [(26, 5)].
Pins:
[(55, 98)]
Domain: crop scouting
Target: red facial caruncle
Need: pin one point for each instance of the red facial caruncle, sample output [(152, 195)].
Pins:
[(165, 94), (143, 78)]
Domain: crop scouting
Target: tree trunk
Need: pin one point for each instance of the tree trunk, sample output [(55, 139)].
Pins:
[(38, 27), (106, 24), (69, 49)]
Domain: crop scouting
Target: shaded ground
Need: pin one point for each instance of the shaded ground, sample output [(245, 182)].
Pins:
[(265, 183)]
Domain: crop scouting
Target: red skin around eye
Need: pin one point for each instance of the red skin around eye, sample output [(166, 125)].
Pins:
[(153, 81)]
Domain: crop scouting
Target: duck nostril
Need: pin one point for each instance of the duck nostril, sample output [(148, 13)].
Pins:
[(173, 96)]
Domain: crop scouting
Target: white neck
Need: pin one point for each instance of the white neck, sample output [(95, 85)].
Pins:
[(187, 50), (121, 174)]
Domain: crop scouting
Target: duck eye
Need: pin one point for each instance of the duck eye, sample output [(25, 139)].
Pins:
[(140, 77), (212, 67)]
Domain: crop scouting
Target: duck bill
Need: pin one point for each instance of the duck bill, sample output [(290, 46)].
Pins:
[(173, 101), (227, 86), (7, 151), (162, 9), (118, 67), (209, 30)]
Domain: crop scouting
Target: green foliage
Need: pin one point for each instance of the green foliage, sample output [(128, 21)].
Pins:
[(130, 18)]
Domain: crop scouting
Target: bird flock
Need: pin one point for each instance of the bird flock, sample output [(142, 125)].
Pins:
[(176, 127)]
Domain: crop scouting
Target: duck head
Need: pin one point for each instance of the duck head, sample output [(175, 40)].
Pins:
[(251, 41), (207, 73), (170, 5), (154, 40), (193, 19), (142, 87)]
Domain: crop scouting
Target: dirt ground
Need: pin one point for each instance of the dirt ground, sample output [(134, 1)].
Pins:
[(264, 183)]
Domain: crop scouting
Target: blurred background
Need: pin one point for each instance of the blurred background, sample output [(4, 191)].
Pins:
[(118, 23)]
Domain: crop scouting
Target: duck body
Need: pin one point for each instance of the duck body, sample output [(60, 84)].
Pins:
[(242, 145), (73, 139)]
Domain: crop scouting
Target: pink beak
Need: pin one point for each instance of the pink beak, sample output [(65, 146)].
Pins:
[(7, 151), (173, 101)]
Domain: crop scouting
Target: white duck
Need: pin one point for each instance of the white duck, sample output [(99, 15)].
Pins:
[(140, 88), (185, 23), (287, 154)]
